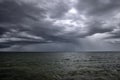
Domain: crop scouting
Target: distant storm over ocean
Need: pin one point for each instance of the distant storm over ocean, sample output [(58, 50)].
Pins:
[(59, 25)]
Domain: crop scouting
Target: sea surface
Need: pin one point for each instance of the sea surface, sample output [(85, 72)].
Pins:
[(60, 66)]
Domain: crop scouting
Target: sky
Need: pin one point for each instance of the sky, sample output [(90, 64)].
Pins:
[(59, 25)]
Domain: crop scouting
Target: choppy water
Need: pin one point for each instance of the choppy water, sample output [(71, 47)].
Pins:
[(60, 66)]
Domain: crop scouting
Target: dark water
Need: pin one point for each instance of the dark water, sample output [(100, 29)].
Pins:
[(60, 66)]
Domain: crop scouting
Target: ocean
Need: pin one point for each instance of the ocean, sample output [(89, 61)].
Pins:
[(60, 66)]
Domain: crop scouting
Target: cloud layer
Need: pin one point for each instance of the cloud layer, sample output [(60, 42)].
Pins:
[(50, 23)]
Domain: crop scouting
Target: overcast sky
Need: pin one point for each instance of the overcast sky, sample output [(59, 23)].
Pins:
[(59, 25)]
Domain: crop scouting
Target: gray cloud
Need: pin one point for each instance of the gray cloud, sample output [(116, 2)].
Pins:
[(97, 27), (59, 9), (102, 17), (18, 17), (3, 30), (55, 22), (98, 7), (13, 15), (114, 34), (12, 12)]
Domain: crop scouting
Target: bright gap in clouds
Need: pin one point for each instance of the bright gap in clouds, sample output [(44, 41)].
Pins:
[(69, 22), (73, 11)]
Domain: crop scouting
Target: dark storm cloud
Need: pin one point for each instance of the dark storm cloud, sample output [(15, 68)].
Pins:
[(98, 7), (93, 27), (97, 27), (114, 34), (19, 41), (3, 30), (12, 12), (55, 22), (100, 11), (15, 12), (28, 18), (50, 32), (59, 10)]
